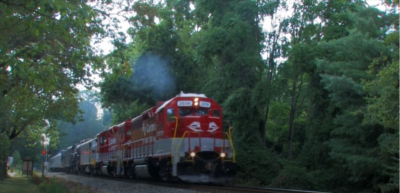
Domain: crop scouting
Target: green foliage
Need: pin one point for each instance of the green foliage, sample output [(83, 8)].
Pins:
[(4, 153), (389, 147), (54, 185), (28, 146), (231, 43), (36, 179), (354, 145), (277, 127), (293, 177), (157, 65), (17, 157), (383, 89), (17, 185), (262, 165), (383, 107), (45, 52)]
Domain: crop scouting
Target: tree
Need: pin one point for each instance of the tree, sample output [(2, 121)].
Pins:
[(344, 66), (334, 24), (300, 52), (232, 40), (157, 65), (383, 107), (45, 53)]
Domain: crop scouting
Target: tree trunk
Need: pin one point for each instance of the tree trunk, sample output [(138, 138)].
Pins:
[(291, 131), (291, 118), (293, 108), (262, 132), (262, 125), (271, 69), (3, 167)]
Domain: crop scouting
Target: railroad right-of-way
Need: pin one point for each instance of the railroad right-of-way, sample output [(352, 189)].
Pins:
[(121, 185)]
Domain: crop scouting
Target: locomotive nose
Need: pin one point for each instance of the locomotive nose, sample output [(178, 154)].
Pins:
[(204, 122)]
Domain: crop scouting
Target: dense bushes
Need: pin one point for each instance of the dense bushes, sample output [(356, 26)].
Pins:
[(293, 177), (55, 185)]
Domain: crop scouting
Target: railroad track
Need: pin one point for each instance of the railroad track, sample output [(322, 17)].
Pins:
[(234, 189), (201, 187)]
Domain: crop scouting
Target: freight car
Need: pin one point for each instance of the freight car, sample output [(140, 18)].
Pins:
[(181, 138)]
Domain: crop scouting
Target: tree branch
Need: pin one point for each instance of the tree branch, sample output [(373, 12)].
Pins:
[(14, 24), (15, 133), (24, 6)]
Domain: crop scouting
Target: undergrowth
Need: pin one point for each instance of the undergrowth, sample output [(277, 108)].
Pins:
[(55, 185)]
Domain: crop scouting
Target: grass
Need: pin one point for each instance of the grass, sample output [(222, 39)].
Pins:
[(63, 186), (36, 184), (18, 185)]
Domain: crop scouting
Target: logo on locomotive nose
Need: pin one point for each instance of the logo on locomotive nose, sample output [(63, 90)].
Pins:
[(195, 126), (212, 127)]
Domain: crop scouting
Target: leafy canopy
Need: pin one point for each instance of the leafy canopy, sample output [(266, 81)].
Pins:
[(44, 53)]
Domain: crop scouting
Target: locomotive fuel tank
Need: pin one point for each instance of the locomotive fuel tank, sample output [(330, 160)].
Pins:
[(142, 171)]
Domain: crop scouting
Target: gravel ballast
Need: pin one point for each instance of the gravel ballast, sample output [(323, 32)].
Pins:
[(107, 186)]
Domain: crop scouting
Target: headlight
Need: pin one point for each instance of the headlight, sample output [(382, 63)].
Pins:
[(192, 154), (222, 154)]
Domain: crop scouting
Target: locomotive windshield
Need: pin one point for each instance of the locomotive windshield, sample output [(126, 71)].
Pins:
[(183, 112)]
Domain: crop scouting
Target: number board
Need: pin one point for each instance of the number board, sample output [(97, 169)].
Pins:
[(205, 104), (185, 103)]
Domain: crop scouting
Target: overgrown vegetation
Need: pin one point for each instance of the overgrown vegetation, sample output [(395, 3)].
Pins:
[(18, 185), (52, 185)]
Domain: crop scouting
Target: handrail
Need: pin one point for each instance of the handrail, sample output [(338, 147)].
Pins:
[(173, 139), (180, 141), (229, 139)]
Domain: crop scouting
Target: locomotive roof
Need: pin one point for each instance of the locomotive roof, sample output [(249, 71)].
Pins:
[(87, 141), (163, 105), (180, 95)]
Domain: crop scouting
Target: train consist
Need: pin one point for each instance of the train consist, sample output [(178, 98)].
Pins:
[(179, 139)]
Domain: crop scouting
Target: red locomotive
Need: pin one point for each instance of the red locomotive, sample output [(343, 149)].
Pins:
[(179, 138)]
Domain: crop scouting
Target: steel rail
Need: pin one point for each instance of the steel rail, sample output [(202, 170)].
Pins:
[(200, 187)]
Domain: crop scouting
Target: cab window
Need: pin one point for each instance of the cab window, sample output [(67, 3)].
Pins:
[(216, 113), (183, 112), (201, 112), (170, 114)]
